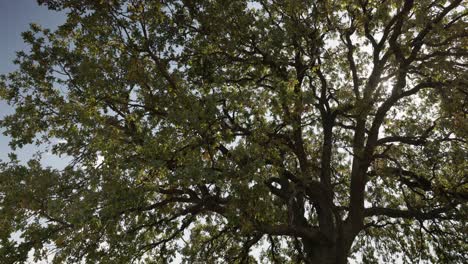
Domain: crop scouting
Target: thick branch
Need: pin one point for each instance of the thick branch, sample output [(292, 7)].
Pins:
[(407, 214)]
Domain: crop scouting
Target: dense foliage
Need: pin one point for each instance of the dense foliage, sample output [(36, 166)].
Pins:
[(279, 131)]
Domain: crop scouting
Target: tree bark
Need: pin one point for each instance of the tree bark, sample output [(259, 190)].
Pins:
[(333, 254)]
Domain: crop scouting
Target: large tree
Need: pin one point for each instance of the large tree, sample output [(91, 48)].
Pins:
[(306, 131)]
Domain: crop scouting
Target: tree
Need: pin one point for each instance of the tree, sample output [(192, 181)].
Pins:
[(316, 130)]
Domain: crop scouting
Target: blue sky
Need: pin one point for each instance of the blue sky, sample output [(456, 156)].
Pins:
[(15, 17)]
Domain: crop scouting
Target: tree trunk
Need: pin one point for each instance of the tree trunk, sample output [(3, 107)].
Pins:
[(337, 253)]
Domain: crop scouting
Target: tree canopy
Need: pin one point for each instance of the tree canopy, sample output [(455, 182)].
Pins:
[(231, 131)]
